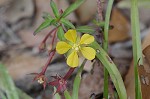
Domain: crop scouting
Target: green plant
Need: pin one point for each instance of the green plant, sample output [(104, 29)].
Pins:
[(7, 87), (71, 45)]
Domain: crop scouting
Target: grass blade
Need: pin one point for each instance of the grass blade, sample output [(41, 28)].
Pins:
[(57, 96), (7, 84), (67, 95), (77, 81), (23, 95), (112, 69), (137, 50), (105, 45)]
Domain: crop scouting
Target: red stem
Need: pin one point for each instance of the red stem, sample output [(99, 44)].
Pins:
[(53, 39), (48, 61), (69, 73), (46, 37)]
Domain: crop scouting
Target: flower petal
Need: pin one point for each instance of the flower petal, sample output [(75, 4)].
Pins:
[(73, 59), (62, 47), (86, 39), (88, 52), (71, 35)]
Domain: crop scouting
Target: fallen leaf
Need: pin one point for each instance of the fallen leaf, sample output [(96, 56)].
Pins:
[(120, 32)]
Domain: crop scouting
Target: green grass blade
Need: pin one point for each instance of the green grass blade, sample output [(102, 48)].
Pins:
[(72, 7), (23, 95), (2, 96), (54, 8), (112, 69), (57, 96), (85, 29), (67, 23), (137, 50), (67, 95), (77, 81), (105, 44), (7, 84)]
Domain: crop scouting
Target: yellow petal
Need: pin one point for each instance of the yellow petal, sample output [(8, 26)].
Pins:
[(73, 59), (62, 47), (71, 35), (86, 39), (88, 52)]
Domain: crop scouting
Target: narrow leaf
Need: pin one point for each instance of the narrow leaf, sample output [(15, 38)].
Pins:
[(112, 69), (85, 29), (47, 16), (137, 50), (60, 34), (77, 81), (72, 7), (67, 95), (54, 8), (7, 84), (57, 96), (23, 95), (44, 25), (67, 23)]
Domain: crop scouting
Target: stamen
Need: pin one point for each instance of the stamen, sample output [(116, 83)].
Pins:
[(76, 47)]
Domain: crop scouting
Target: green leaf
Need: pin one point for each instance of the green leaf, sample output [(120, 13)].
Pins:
[(77, 81), (2, 95), (44, 25), (67, 95), (85, 29), (57, 96), (72, 7), (100, 23), (7, 85), (112, 69), (137, 49), (23, 95), (127, 4), (54, 8), (60, 34), (67, 23), (47, 16)]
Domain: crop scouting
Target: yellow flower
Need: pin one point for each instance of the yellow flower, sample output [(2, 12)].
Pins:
[(75, 45)]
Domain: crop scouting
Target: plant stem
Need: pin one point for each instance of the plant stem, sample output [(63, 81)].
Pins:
[(48, 61), (69, 73), (137, 51), (105, 45)]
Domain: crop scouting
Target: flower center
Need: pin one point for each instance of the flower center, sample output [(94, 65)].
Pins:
[(76, 47)]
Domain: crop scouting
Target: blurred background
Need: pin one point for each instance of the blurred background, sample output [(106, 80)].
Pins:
[(19, 47)]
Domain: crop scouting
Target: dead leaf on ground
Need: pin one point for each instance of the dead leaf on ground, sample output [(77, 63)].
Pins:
[(144, 73), (120, 32), (20, 64), (91, 83)]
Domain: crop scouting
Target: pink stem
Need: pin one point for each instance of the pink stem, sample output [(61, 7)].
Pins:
[(46, 37), (69, 73), (48, 61)]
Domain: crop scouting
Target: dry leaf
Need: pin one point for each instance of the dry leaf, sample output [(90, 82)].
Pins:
[(121, 27)]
